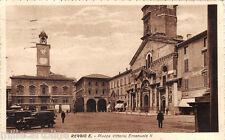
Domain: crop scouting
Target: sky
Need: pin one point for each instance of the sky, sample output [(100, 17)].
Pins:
[(84, 39)]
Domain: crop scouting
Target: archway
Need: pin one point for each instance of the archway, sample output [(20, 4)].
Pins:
[(91, 105), (102, 105), (79, 105), (163, 105), (146, 101)]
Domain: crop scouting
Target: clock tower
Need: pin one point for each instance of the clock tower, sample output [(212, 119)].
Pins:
[(43, 57)]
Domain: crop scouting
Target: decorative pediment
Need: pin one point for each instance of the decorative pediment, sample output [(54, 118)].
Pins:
[(145, 74)]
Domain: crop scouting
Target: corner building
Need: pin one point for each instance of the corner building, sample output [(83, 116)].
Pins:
[(46, 90), (154, 85), (92, 93)]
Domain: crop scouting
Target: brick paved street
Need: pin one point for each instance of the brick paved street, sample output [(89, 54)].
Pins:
[(103, 122)]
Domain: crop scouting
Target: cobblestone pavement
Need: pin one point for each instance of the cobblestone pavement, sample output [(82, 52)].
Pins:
[(107, 122)]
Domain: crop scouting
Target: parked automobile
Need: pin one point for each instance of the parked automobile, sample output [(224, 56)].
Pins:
[(41, 118), (13, 116)]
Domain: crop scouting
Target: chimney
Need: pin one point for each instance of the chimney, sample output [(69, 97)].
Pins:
[(188, 36)]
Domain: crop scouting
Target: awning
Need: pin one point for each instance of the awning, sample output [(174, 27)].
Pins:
[(65, 108), (119, 106), (184, 102)]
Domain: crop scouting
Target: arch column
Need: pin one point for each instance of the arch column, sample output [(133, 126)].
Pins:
[(96, 102), (159, 107), (85, 104), (150, 99), (167, 95)]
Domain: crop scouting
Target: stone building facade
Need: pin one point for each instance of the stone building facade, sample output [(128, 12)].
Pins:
[(46, 90), (92, 93), (118, 86), (193, 70), (155, 84)]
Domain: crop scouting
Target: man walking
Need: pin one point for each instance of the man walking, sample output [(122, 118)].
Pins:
[(63, 115), (160, 119)]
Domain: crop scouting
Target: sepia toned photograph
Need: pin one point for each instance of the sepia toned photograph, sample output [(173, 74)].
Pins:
[(111, 68)]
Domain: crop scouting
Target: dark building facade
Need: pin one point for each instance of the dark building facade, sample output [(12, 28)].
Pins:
[(46, 90), (92, 93)]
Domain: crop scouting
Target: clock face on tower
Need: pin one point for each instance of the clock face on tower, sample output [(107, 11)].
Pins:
[(43, 61)]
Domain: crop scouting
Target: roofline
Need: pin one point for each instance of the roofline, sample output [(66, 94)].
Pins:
[(41, 78), (146, 6), (196, 37), (84, 77), (121, 74)]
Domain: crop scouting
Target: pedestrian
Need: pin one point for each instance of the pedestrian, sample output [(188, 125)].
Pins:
[(63, 115), (167, 110), (160, 119)]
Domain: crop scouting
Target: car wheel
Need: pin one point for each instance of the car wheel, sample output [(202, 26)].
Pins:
[(28, 126), (19, 127), (50, 125)]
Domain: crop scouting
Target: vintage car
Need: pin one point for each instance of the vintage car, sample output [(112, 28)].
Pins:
[(13, 116), (41, 118)]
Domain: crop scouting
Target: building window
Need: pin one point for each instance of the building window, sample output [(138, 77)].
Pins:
[(164, 80), (65, 101), (54, 90), (205, 41), (89, 83), (205, 80), (96, 83), (32, 90), (186, 84), (65, 90), (153, 96), (20, 101), (185, 49), (205, 59), (32, 100), (121, 82), (96, 91), (89, 91), (54, 100), (125, 80), (103, 91), (148, 60), (43, 101), (103, 83), (186, 65), (117, 83), (44, 89), (20, 89)]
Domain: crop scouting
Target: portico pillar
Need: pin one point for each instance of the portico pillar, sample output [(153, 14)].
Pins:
[(159, 95), (150, 98), (155, 99), (136, 101), (96, 105), (140, 103), (167, 103), (85, 105), (175, 97)]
